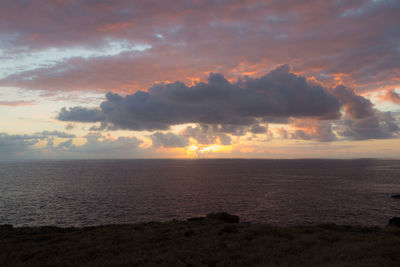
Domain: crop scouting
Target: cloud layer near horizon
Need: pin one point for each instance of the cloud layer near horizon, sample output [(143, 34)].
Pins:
[(96, 146)]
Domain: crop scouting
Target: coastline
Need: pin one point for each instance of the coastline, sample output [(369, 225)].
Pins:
[(204, 241)]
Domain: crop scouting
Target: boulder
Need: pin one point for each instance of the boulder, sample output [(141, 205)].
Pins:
[(224, 217), (196, 219), (229, 229), (395, 221)]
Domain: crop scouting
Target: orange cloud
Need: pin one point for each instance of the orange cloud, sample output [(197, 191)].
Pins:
[(391, 96)]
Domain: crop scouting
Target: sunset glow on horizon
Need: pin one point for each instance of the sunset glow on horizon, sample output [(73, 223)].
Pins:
[(199, 79)]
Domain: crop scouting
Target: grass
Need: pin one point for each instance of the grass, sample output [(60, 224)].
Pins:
[(204, 242)]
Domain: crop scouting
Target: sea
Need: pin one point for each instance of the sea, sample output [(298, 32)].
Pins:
[(278, 192)]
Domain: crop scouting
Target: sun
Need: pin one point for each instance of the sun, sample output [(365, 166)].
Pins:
[(200, 150)]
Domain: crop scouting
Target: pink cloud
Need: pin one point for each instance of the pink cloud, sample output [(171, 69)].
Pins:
[(16, 103), (355, 38)]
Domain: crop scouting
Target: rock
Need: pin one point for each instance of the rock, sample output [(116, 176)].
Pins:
[(196, 219), (224, 217), (397, 196), (395, 221), (229, 229), (189, 233)]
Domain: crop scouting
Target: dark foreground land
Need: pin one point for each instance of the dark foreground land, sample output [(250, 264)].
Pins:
[(202, 242)]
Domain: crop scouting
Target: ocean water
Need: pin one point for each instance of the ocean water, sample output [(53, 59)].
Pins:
[(279, 192)]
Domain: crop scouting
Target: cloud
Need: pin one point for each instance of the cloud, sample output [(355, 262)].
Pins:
[(391, 96), (311, 130), (12, 145), (331, 43), (168, 140), (193, 38), (80, 114), (356, 106), (205, 134), (212, 134), (379, 125), (69, 126), (222, 109), (46, 134), (15, 146), (279, 94), (16, 103), (258, 129), (382, 125), (96, 146)]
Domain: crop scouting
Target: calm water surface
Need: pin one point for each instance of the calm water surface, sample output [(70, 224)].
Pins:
[(283, 192)]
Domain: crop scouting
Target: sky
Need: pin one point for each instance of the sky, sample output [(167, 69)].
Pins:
[(88, 79)]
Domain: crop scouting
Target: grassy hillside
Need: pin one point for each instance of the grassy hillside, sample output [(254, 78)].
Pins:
[(206, 242)]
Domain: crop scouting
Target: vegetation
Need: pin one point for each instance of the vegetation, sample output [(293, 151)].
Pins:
[(200, 242)]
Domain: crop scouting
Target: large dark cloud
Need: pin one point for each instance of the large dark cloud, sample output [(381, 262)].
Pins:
[(279, 94)]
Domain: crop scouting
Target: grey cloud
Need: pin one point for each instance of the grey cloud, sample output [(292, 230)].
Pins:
[(223, 109), (55, 134), (382, 125), (69, 126), (80, 114), (39, 135), (168, 140), (65, 144), (235, 130), (12, 146), (362, 120), (282, 133), (104, 147), (356, 106), (97, 146), (305, 129), (207, 134), (292, 95), (319, 131), (279, 94), (271, 119), (258, 129)]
